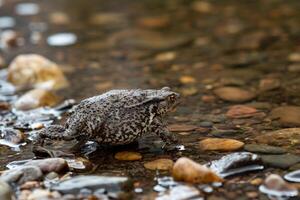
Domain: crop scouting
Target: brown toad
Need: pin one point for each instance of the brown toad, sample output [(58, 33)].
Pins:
[(117, 117)]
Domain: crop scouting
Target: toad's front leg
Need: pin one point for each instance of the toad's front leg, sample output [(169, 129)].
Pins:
[(160, 129)]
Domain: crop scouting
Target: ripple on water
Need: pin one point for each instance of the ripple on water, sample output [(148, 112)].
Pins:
[(62, 39)]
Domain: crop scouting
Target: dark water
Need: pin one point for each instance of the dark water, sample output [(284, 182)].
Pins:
[(153, 43)]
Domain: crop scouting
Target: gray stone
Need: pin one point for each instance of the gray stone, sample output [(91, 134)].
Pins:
[(110, 184), (206, 124), (283, 161), (264, 149), (5, 191), (22, 174)]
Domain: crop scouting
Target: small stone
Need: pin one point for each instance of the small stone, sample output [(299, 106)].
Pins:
[(30, 185), (127, 155), (109, 183), (236, 163), (288, 116), (51, 175), (62, 39), (234, 94), (189, 171), (166, 56), (187, 79), (35, 70), (294, 57), (264, 149), (269, 84), (293, 176), (5, 191), (294, 67), (181, 128), (202, 6), (154, 22), (189, 91), (59, 18), (79, 164), (9, 38), (256, 181), (208, 98), (50, 164), (218, 144), (159, 164), (241, 111), (7, 22), (12, 135), (275, 186), (22, 174), (180, 192), (206, 124), (43, 194), (283, 137), (282, 161), (36, 98), (27, 9)]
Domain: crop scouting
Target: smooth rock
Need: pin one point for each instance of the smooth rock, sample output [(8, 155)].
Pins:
[(181, 128), (240, 111), (294, 57), (264, 149), (236, 163), (79, 164), (218, 144), (50, 164), (234, 94), (189, 171), (22, 174), (62, 39), (283, 137), (275, 186), (110, 184), (159, 164), (283, 161), (288, 116), (268, 84), (5, 191), (206, 124), (13, 136), (128, 155), (35, 70), (7, 22), (27, 9), (293, 176), (36, 98)]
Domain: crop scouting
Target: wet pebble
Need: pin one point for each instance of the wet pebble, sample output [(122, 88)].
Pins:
[(206, 124), (10, 38), (189, 171), (27, 9), (288, 116), (35, 70), (283, 137), (7, 22), (43, 194), (110, 184), (62, 39), (181, 128), (275, 186), (294, 67), (159, 164), (36, 98), (5, 191), (264, 149), (268, 84), (241, 111), (12, 135), (294, 57), (22, 174), (127, 155), (234, 94), (218, 144), (293, 176), (283, 161), (236, 163), (79, 164)]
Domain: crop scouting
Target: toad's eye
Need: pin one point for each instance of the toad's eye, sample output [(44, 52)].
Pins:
[(172, 97)]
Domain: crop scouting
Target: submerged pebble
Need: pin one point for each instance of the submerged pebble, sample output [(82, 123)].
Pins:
[(159, 164), (293, 176), (181, 192), (275, 186), (234, 94), (62, 39), (264, 149), (218, 144), (236, 163), (109, 183), (282, 161), (127, 155)]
